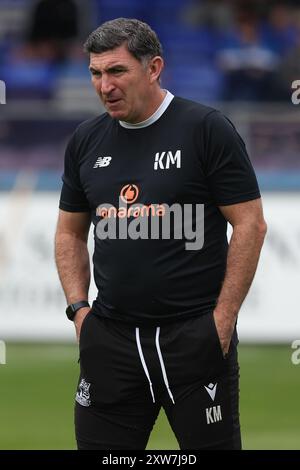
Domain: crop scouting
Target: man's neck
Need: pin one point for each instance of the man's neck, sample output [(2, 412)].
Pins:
[(159, 109), (156, 102)]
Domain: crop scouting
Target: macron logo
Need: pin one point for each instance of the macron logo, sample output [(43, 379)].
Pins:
[(102, 161), (211, 390), (163, 160)]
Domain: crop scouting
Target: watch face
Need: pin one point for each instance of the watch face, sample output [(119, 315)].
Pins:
[(70, 312), (72, 308)]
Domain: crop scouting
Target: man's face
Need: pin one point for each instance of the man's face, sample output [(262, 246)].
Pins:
[(123, 84)]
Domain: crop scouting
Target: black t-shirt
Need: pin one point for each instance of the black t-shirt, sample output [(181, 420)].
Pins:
[(192, 155)]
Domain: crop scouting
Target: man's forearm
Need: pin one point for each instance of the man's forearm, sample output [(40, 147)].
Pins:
[(243, 255), (72, 260)]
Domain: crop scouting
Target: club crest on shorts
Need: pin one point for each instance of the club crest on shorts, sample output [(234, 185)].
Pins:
[(83, 394)]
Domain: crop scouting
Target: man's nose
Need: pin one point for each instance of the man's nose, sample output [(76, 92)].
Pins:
[(106, 85)]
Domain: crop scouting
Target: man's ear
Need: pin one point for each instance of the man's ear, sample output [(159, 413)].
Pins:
[(156, 66)]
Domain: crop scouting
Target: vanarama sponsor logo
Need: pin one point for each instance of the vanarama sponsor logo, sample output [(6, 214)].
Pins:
[(150, 221), (129, 193), (138, 210)]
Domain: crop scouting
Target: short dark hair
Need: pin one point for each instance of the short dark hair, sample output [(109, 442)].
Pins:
[(142, 42)]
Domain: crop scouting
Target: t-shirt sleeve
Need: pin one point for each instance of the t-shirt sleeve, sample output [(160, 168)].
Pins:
[(229, 172), (72, 198)]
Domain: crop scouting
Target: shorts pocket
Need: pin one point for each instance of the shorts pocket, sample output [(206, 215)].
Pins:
[(84, 328), (216, 336)]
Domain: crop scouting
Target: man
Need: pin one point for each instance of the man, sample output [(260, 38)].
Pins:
[(162, 329)]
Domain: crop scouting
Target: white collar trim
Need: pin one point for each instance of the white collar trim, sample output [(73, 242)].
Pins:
[(154, 117)]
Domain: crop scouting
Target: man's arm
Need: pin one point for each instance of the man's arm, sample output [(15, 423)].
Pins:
[(72, 259), (249, 230)]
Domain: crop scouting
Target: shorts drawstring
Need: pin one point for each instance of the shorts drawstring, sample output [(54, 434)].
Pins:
[(162, 365), (161, 361), (138, 342)]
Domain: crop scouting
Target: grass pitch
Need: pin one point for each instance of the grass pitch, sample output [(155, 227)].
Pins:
[(37, 387)]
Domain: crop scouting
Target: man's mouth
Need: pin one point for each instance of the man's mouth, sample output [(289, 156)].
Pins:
[(113, 101)]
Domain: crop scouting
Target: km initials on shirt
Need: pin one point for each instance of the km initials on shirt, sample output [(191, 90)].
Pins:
[(165, 159)]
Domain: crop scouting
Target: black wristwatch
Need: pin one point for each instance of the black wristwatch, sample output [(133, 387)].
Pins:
[(72, 308)]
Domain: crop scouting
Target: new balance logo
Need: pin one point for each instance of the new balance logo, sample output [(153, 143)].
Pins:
[(165, 159), (102, 161), (213, 414), (211, 390)]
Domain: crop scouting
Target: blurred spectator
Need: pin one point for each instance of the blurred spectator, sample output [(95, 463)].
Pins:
[(288, 71), (246, 59), (53, 24), (32, 66), (280, 29), (216, 14)]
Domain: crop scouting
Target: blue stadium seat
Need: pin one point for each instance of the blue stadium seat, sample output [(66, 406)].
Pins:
[(201, 82), (110, 9), (30, 78), (192, 45)]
